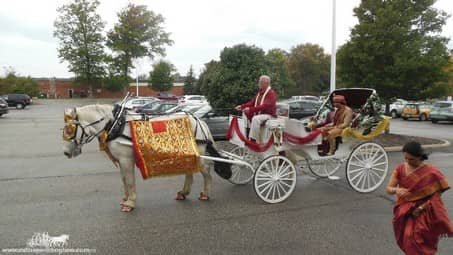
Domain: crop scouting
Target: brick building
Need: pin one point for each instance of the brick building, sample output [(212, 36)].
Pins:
[(65, 88)]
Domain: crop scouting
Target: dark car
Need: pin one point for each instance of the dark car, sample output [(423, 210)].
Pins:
[(17, 100), (299, 109), (216, 119), (157, 107), (3, 107), (166, 96)]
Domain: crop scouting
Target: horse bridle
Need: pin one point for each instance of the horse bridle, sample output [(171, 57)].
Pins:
[(71, 127)]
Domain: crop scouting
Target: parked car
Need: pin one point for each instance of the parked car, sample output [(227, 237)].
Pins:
[(420, 111), (137, 102), (216, 119), (396, 108), (192, 99), (190, 108), (19, 101), (166, 96), (442, 111), (306, 97), (157, 107), (299, 109), (3, 107)]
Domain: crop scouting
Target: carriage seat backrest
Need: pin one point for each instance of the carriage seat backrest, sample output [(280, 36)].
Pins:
[(355, 119), (273, 123), (282, 114)]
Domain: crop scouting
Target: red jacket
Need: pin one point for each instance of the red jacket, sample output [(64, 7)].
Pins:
[(269, 105)]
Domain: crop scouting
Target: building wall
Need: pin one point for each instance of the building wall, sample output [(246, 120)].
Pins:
[(62, 88)]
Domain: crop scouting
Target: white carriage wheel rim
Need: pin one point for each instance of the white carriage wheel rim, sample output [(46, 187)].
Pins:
[(240, 174), (275, 179), (367, 167), (323, 165)]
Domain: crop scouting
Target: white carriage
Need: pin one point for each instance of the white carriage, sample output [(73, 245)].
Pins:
[(270, 162)]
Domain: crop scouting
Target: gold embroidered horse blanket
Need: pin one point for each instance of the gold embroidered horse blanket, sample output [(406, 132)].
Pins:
[(165, 147)]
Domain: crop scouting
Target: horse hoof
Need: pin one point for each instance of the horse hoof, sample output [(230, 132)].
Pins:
[(203, 197), (126, 208), (180, 196)]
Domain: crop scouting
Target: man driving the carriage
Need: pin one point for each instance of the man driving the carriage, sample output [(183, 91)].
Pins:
[(341, 120), (261, 108)]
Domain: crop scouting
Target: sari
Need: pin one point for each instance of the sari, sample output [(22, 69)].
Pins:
[(420, 235)]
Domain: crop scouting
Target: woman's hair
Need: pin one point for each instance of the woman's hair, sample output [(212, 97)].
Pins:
[(415, 149)]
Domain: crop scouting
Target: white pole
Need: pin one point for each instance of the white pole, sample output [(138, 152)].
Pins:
[(136, 72), (334, 49)]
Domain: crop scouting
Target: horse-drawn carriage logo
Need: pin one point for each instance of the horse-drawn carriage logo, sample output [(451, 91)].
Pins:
[(45, 241)]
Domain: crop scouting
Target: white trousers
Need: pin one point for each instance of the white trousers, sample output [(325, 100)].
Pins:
[(256, 125)]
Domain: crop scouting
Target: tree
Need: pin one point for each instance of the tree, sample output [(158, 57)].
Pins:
[(234, 79), (79, 30), (277, 60), (138, 33), (190, 86), (398, 55), (310, 68), (115, 82), (444, 88), (162, 76), (17, 84), (208, 76)]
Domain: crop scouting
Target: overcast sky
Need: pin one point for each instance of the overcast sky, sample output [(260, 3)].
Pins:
[(199, 28)]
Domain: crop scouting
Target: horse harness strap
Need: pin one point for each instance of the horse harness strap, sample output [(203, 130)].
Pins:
[(84, 134)]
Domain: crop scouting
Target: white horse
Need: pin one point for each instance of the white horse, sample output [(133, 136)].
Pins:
[(82, 124)]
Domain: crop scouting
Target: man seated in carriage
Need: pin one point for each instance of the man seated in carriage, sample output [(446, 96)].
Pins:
[(261, 108), (341, 120)]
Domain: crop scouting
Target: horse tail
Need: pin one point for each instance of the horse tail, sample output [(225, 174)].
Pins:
[(223, 169)]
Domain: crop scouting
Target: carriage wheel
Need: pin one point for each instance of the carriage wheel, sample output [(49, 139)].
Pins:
[(275, 179), (242, 174), (324, 167), (367, 167)]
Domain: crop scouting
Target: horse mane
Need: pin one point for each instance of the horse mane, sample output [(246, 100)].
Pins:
[(103, 109)]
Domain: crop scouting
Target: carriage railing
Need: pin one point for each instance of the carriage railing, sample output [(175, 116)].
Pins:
[(277, 138)]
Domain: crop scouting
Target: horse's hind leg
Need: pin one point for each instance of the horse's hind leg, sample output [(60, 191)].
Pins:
[(207, 182), (181, 195)]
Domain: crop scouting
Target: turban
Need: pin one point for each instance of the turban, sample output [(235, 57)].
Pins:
[(339, 99)]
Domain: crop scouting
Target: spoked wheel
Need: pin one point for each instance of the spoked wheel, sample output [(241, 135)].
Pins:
[(367, 167), (275, 179), (242, 174), (324, 167)]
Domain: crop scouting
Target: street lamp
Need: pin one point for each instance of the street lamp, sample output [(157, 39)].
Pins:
[(334, 49)]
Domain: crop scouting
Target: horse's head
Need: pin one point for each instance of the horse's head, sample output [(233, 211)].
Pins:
[(82, 125)]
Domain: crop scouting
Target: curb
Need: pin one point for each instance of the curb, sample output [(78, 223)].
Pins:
[(400, 148)]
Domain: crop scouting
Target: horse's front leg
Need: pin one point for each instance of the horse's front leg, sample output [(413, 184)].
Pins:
[(125, 192), (207, 181), (181, 195), (128, 177)]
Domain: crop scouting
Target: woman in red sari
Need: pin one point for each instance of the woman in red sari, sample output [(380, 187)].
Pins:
[(419, 216)]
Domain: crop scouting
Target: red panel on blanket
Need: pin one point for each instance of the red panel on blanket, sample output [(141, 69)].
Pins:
[(159, 126)]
